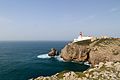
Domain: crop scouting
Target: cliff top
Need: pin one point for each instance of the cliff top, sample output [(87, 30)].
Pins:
[(105, 41)]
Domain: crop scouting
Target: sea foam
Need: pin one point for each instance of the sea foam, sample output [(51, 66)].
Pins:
[(45, 56), (59, 58)]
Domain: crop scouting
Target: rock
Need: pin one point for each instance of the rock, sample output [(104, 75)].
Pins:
[(117, 66), (53, 52), (84, 78), (87, 75), (80, 79), (101, 65), (119, 74), (74, 52), (100, 50), (70, 76), (95, 73), (90, 70), (109, 64)]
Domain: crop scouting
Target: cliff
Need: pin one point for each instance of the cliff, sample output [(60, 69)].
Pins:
[(103, 54), (99, 50), (102, 71)]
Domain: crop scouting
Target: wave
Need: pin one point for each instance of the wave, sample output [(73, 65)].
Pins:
[(59, 58), (45, 56), (87, 63)]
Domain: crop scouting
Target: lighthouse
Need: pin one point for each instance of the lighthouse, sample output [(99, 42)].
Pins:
[(81, 34), (82, 38)]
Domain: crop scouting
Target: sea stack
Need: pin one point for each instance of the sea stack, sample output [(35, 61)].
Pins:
[(53, 52)]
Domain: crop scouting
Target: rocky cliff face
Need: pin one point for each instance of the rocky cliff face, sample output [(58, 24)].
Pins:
[(100, 50), (76, 51)]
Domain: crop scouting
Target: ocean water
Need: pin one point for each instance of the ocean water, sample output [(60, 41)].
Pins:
[(25, 60)]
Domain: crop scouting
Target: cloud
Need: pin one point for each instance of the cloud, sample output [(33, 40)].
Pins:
[(87, 18), (83, 20), (90, 17), (114, 9), (5, 20)]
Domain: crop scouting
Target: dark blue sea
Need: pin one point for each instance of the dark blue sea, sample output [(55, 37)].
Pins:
[(24, 60)]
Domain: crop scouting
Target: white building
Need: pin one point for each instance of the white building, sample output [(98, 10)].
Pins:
[(81, 38)]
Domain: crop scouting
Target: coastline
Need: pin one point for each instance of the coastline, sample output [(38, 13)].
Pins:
[(102, 71), (107, 48)]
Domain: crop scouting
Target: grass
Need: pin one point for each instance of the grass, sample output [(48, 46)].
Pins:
[(80, 74), (104, 41), (60, 75), (100, 42)]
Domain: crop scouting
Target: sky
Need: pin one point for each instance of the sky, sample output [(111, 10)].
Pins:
[(36, 20)]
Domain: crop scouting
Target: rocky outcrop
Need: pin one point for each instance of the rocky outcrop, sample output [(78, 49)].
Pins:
[(75, 52), (53, 52), (100, 50), (102, 71)]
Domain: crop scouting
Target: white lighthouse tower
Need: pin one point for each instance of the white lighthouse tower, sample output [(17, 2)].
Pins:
[(81, 34)]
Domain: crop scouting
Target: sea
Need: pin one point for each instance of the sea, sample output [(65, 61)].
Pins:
[(23, 60)]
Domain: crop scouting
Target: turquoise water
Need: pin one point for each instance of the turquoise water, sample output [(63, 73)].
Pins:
[(25, 60)]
